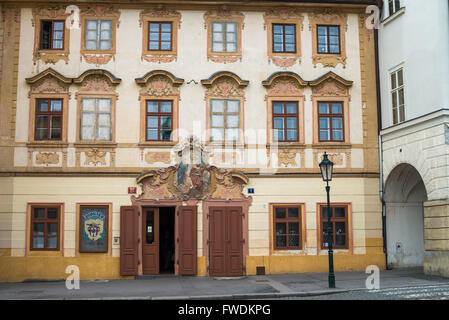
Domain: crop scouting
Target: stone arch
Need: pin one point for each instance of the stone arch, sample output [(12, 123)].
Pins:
[(404, 196)]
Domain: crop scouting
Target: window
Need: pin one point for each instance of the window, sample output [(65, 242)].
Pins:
[(225, 120), (96, 119), (397, 96), (52, 34), (159, 120), (328, 39), (159, 36), (393, 6), (331, 120), (45, 227), (93, 228), (339, 221), (287, 226), (285, 121), (48, 119), (224, 36), (284, 38), (98, 35)]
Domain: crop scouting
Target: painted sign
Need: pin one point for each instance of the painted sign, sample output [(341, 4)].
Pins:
[(94, 229)]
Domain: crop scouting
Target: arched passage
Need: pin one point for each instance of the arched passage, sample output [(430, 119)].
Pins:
[(404, 195)]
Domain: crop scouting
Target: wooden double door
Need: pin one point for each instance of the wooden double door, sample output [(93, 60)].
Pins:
[(161, 243), (225, 241)]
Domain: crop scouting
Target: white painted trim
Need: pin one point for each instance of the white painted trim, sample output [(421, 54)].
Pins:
[(394, 16)]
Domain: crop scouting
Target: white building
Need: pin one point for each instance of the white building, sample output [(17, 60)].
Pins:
[(414, 86)]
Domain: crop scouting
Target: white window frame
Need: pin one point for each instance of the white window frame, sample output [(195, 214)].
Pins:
[(395, 89), (396, 6), (225, 126), (98, 35), (96, 112), (224, 34)]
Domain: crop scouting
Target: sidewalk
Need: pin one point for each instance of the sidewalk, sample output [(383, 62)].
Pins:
[(250, 287)]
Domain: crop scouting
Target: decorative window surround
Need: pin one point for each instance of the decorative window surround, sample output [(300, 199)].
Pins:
[(229, 86), (283, 16), (159, 85), (99, 12), (328, 17), (331, 88), (160, 15), (224, 15), (50, 55)]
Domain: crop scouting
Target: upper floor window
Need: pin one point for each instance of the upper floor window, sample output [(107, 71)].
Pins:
[(160, 36), (397, 96), (48, 119), (284, 38), (285, 121), (224, 36), (98, 35), (328, 39), (393, 6), (159, 120), (45, 222), (95, 119), (52, 34), (225, 120), (331, 122)]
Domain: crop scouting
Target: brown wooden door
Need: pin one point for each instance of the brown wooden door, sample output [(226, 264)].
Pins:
[(187, 240), (128, 240), (150, 243), (225, 241)]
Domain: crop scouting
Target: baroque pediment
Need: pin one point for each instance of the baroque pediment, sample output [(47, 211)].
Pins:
[(192, 178)]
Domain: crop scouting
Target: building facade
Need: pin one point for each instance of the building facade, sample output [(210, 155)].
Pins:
[(168, 137), (415, 132)]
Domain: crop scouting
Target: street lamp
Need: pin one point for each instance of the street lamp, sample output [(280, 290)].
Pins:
[(327, 167)]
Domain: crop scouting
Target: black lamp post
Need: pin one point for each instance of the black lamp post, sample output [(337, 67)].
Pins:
[(327, 167)]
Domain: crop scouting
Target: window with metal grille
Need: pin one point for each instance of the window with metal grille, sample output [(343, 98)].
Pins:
[(45, 227), (339, 224), (287, 227)]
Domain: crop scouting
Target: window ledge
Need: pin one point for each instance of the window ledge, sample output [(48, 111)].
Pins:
[(47, 144), (398, 13), (326, 145), (95, 144)]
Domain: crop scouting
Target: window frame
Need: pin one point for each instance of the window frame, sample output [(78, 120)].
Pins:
[(108, 226), (393, 6), (111, 113), (224, 114), (159, 115), (285, 116), (331, 116), (396, 92), (327, 26), (283, 38), (45, 221), (98, 33), (288, 220), (49, 114), (160, 38), (323, 220), (51, 35), (224, 32)]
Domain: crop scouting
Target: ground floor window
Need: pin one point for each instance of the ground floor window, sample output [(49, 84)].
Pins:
[(45, 220), (287, 227), (339, 222)]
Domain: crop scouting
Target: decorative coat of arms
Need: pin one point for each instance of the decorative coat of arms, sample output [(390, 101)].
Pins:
[(192, 178)]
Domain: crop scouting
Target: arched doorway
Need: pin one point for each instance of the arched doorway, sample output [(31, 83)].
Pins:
[(404, 195)]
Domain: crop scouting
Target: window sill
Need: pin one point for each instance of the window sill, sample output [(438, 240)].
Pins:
[(47, 144), (394, 16), (326, 145), (95, 144), (167, 144)]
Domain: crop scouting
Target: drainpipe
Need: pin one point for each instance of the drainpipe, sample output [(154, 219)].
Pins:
[(379, 128)]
